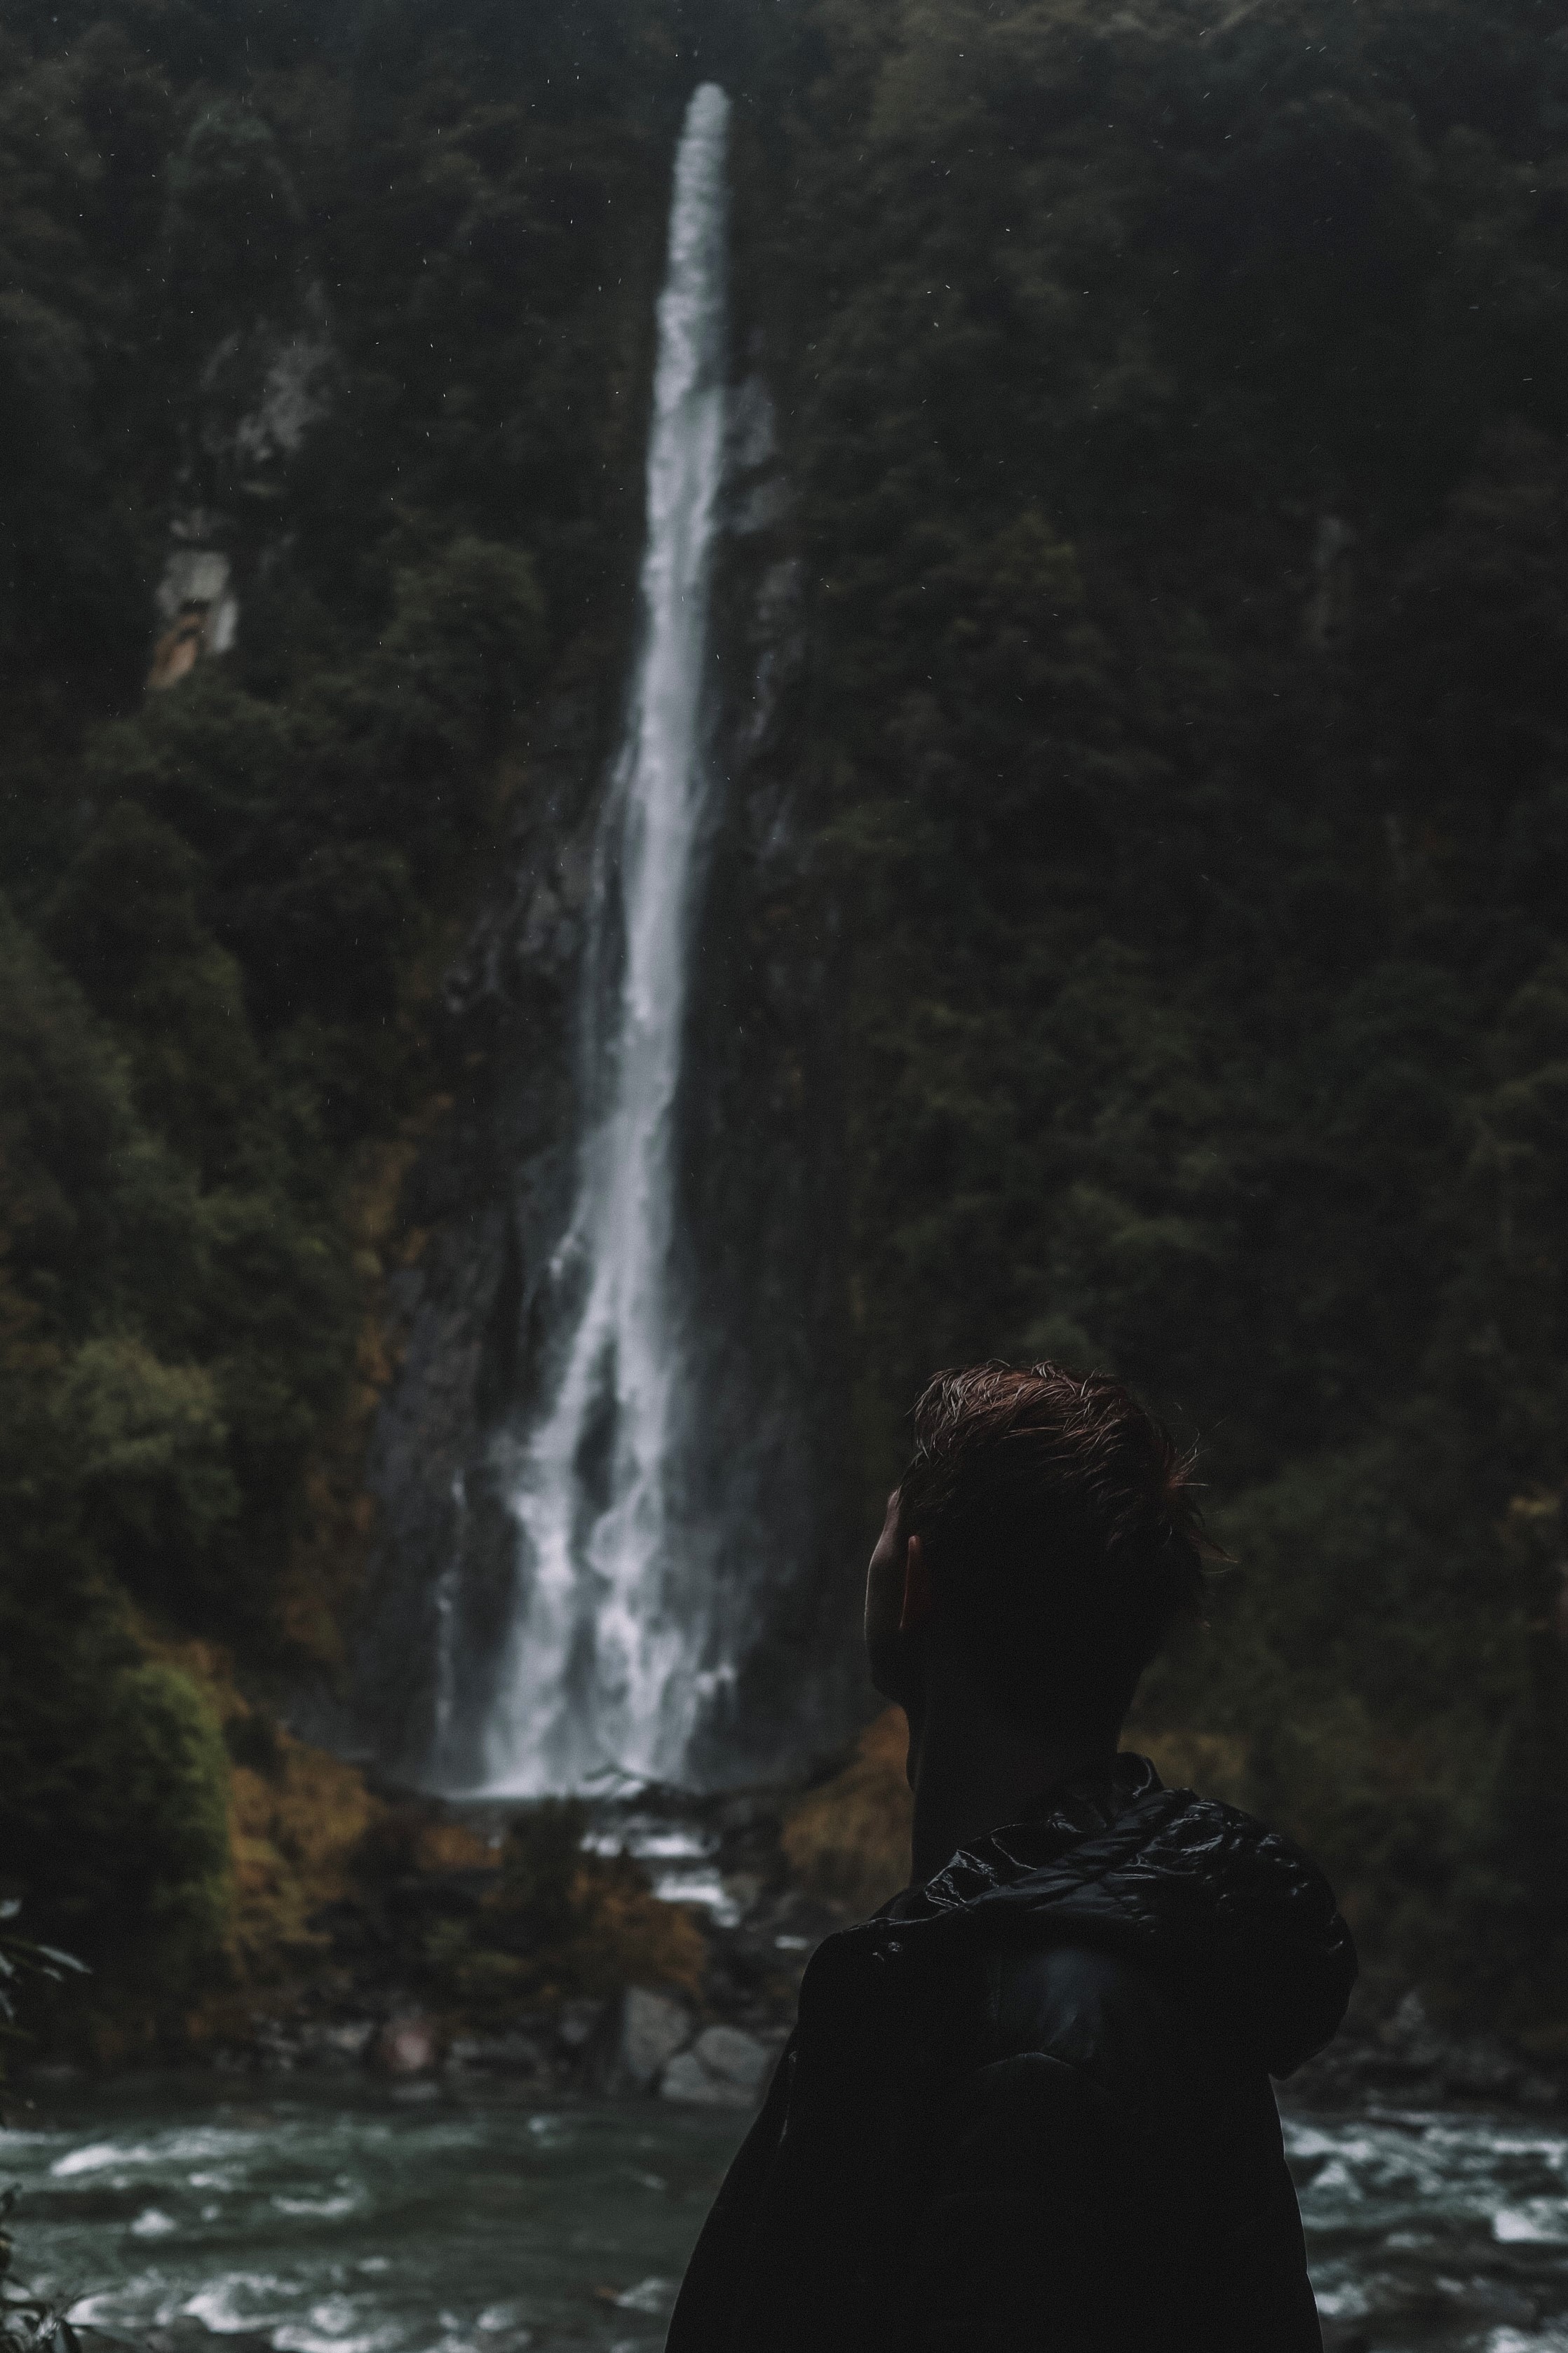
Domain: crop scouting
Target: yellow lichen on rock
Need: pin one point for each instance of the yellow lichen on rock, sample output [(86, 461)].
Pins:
[(297, 1827), (559, 1921), (629, 1936), (298, 1817), (444, 1845), (847, 1842)]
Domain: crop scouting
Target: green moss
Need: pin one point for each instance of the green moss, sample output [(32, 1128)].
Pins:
[(559, 1921)]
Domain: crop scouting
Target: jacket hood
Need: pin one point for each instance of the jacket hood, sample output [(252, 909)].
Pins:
[(1235, 1916)]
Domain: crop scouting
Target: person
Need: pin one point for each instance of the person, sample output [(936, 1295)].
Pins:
[(1027, 2105)]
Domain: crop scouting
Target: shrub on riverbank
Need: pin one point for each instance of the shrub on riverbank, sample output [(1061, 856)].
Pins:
[(559, 1923), (848, 1840)]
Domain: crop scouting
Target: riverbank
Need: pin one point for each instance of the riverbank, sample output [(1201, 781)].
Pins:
[(553, 1944), (651, 1946), (645, 1946), (1407, 2058)]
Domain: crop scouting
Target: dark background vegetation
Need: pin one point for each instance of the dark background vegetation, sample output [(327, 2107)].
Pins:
[(1176, 411)]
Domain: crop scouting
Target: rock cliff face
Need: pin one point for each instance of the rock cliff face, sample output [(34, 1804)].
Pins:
[(760, 1203), (248, 324), (764, 1181), (489, 1199)]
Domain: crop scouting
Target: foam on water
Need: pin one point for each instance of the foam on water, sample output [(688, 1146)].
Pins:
[(347, 2222), (343, 2221)]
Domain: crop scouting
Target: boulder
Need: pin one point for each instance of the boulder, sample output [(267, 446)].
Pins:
[(276, 2045), (687, 2079), (576, 2023), (734, 2057), (723, 2069), (636, 2037), (406, 2046), (327, 2044)]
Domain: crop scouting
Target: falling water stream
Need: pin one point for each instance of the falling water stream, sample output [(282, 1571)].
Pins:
[(599, 1681)]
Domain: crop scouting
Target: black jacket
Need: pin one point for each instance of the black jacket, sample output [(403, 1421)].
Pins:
[(1027, 2105)]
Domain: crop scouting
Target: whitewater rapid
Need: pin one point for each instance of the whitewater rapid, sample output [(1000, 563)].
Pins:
[(599, 1680), (328, 2215)]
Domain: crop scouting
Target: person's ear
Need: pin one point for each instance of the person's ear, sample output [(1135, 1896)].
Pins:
[(918, 1599)]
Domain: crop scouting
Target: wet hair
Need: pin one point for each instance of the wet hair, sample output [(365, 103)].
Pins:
[(1062, 1532)]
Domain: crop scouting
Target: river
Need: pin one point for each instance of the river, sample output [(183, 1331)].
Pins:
[(314, 2217)]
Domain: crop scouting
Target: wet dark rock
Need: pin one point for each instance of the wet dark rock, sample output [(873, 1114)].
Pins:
[(576, 2023), (1409, 2057), (276, 2047), (335, 2043), (410, 2045), (724, 2067), (687, 2079), (734, 2056)]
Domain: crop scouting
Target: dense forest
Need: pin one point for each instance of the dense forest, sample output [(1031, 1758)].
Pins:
[(1174, 414)]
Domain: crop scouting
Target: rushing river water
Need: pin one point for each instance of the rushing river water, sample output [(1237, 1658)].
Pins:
[(325, 2218)]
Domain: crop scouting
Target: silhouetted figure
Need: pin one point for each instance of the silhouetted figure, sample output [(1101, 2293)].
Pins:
[(1027, 2105)]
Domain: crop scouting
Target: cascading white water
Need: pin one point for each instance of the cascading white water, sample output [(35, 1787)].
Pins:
[(599, 1676)]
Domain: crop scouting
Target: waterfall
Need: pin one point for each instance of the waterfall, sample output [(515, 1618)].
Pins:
[(600, 1677)]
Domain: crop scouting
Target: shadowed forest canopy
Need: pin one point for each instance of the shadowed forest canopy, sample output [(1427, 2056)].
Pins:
[(1175, 410)]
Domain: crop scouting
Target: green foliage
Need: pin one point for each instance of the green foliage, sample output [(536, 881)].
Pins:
[(234, 223), (112, 1775), (149, 1445), (24, 1966), (115, 1786), (224, 903), (29, 2322), (559, 1921), (1178, 411), (80, 136), (125, 920)]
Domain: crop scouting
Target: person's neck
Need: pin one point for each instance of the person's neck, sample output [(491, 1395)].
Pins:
[(972, 1770)]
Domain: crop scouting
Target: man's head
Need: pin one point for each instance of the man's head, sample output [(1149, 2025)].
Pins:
[(1046, 1533)]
